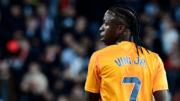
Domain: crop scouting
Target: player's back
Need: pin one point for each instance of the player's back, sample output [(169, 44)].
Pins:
[(125, 76)]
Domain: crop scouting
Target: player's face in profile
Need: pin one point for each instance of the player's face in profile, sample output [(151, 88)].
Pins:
[(108, 30)]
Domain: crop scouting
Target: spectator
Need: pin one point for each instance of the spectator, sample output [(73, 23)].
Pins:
[(170, 34), (7, 88), (34, 81)]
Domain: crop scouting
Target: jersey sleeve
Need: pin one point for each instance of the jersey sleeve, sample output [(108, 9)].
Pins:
[(93, 80), (160, 80)]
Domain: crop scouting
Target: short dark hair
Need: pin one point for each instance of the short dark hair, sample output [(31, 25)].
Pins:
[(133, 23)]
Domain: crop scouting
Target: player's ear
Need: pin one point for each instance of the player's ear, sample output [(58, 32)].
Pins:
[(121, 29)]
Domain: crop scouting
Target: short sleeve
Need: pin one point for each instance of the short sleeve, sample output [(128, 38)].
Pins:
[(160, 80), (93, 80)]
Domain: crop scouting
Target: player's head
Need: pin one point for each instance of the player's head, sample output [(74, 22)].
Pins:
[(120, 23)]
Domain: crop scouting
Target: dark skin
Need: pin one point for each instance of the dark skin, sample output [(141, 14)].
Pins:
[(112, 31)]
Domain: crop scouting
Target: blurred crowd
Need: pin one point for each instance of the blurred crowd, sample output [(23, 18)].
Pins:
[(46, 44)]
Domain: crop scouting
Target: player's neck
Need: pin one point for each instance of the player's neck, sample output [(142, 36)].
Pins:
[(126, 36)]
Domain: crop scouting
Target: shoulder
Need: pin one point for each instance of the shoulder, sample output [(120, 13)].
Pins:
[(103, 51), (153, 56), (149, 53)]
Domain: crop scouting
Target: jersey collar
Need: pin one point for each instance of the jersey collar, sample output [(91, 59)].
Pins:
[(127, 45)]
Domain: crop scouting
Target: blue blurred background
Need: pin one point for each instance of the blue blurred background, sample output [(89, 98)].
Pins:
[(46, 44)]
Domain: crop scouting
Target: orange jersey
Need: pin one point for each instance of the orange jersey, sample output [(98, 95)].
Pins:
[(119, 74)]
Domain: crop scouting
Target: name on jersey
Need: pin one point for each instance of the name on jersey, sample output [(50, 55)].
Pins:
[(126, 60)]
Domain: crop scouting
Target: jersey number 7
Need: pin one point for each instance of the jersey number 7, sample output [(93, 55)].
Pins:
[(136, 88)]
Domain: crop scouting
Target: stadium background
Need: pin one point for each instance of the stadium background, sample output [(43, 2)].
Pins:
[(46, 44)]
